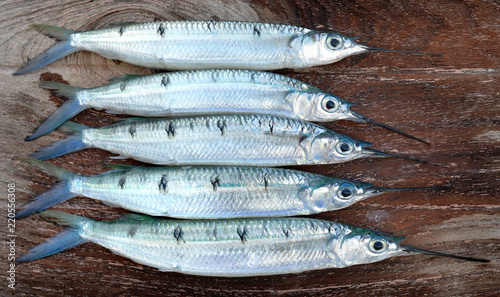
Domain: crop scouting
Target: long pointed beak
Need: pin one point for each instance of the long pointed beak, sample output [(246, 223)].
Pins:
[(365, 119), (381, 190), (376, 49), (376, 153), (412, 249)]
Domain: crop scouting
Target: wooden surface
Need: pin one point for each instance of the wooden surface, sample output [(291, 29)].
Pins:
[(452, 101)]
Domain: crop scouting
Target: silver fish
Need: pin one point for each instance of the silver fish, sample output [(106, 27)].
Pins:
[(238, 140), (203, 92), (229, 248), (188, 45), (207, 192)]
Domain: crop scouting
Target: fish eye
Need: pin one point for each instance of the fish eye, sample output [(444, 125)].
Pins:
[(346, 191), (334, 42), (344, 147), (378, 244), (330, 104)]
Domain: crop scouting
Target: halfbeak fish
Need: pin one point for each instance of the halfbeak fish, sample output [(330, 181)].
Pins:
[(188, 45), (234, 140), (229, 248), (207, 192), (203, 92)]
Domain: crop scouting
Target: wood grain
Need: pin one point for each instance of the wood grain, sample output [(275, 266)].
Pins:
[(452, 101)]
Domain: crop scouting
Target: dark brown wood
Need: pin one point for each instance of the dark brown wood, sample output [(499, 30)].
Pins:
[(452, 101)]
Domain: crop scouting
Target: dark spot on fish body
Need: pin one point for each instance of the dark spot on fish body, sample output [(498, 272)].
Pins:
[(207, 123), (209, 27), (132, 231), (161, 30), (214, 232), (256, 31), (242, 233), (313, 225), (162, 186), (215, 183), (252, 77), (191, 125), (271, 126), (266, 182), (302, 138), (132, 129), (170, 129), (121, 30), (121, 182), (332, 228), (222, 126), (178, 234), (259, 121), (286, 231), (122, 86), (164, 81)]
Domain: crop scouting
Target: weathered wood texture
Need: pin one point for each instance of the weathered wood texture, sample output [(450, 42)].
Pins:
[(452, 101)]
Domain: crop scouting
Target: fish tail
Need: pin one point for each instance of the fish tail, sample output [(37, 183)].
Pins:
[(72, 127), (57, 194), (61, 49), (71, 144), (66, 239), (59, 89), (65, 112)]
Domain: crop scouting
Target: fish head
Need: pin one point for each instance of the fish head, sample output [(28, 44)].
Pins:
[(331, 147), (320, 106), (339, 193), (320, 48), (361, 246), (347, 193)]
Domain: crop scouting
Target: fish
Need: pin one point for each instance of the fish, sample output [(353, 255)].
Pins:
[(203, 92), (189, 45), (233, 140), (207, 192), (229, 248)]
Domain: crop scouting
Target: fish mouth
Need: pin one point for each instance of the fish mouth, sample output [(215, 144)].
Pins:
[(356, 48), (361, 118), (366, 48), (381, 190), (376, 153), (414, 250)]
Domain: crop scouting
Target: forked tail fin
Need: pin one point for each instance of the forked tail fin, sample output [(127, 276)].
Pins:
[(65, 112), (72, 143), (61, 49), (68, 238), (57, 194)]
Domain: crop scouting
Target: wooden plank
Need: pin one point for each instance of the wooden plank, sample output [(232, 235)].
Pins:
[(451, 101)]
